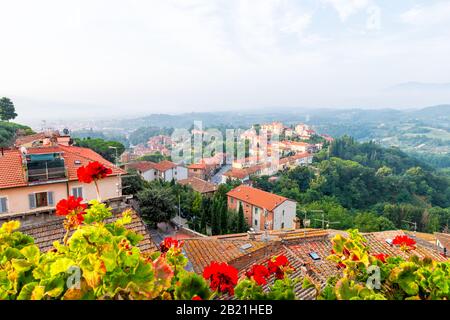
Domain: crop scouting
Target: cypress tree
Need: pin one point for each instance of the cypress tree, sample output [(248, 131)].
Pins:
[(241, 220), (224, 218)]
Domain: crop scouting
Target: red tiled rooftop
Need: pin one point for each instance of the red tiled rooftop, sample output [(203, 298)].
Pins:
[(141, 165), (257, 197), (84, 156), (11, 170), (202, 251), (47, 232), (165, 165), (236, 173), (12, 173), (197, 166), (444, 239), (199, 185), (29, 138)]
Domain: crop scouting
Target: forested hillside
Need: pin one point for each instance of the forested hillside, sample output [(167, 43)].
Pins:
[(367, 186), (8, 132)]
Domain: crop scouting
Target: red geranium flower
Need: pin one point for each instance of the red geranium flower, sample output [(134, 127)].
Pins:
[(69, 206), (222, 277), (278, 265), (346, 252), (381, 256), (73, 210), (259, 273), (405, 243), (93, 171), (168, 243), (196, 297)]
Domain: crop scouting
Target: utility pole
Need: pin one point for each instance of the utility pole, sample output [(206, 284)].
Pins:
[(323, 216), (306, 223), (323, 220)]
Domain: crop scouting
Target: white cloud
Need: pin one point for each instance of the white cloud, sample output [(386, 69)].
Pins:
[(346, 8), (373, 18), (423, 15), (184, 55)]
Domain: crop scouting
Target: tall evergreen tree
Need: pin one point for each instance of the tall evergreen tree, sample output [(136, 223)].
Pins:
[(215, 218), (241, 220), (223, 218), (206, 209), (7, 110)]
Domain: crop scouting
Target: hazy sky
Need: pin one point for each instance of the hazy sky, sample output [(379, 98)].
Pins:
[(64, 58)]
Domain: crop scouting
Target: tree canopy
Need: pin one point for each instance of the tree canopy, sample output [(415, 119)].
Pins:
[(102, 147), (7, 109)]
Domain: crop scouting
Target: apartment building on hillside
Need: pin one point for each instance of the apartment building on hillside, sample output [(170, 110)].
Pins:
[(263, 210), (34, 179)]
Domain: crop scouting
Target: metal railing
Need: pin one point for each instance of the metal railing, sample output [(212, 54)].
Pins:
[(37, 175)]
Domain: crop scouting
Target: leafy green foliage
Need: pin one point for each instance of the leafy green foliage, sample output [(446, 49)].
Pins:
[(155, 157), (7, 109), (366, 186), (102, 147), (9, 130), (157, 203)]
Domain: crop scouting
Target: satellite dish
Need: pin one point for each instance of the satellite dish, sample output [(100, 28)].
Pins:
[(66, 131), (306, 223), (23, 150)]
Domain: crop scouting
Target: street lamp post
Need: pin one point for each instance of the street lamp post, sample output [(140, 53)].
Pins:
[(117, 156)]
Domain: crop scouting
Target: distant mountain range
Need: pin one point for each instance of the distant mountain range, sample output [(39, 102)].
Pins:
[(288, 116), (420, 86)]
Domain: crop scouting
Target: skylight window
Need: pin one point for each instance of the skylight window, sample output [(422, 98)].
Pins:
[(314, 256), (246, 246), (389, 241), (77, 162)]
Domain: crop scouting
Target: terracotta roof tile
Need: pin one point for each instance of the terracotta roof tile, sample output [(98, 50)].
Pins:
[(47, 232), (201, 166), (142, 166), (12, 172), (164, 165), (84, 156), (296, 249), (202, 251), (199, 185), (257, 197), (29, 138)]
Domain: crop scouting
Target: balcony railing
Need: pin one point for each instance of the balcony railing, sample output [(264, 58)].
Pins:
[(41, 175), (42, 171)]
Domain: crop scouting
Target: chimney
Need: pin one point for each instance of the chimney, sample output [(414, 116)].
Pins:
[(251, 234), (65, 140)]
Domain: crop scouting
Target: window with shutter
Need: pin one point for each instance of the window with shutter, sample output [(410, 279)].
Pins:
[(3, 205), (77, 192), (32, 200), (50, 198)]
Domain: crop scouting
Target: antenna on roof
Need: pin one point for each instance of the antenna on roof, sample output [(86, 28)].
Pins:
[(414, 224)]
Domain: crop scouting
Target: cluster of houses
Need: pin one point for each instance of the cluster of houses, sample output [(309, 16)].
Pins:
[(199, 175), (40, 170), (160, 144)]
